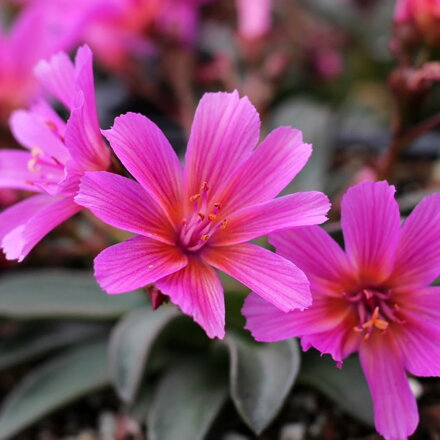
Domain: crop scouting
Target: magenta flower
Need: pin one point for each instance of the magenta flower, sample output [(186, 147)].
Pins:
[(373, 298), (254, 18), (56, 157), (190, 218)]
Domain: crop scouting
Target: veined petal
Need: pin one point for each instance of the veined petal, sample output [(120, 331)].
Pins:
[(224, 132), (267, 323), (317, 254), (197, 290), (124, 204), (300, 209), (58, 76), (135, 263), (271, 167), (148, 156), (33, 131), (14, 170), (21, 240), (83, 136), (418, 252), (274, 278), (19, 213), (371, 223), (395, 408)]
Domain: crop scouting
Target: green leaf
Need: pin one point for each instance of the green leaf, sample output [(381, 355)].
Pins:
[(346, 386), (61, 294), (187, 400), (261, 376), (131, 342), (30, 342), (66, 378)]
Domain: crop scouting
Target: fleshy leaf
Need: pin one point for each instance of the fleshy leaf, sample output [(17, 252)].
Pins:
[(131, 342), (261, 376), (346, 386), (187, 400), (61, 294), (66, 378)]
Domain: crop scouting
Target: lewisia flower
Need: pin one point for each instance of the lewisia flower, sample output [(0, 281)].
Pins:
[(56, 157), (193, 218), (254, 18), (373, 298)]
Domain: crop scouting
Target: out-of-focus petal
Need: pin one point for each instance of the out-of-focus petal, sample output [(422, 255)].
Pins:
[(291, 211), (197, 290), (418, 252), (135, 263), (148, 156), (14, 170), (124, 204), (21, 240), (254, 17), (274, 278), (371, 222), (395, 408), (224, 132)]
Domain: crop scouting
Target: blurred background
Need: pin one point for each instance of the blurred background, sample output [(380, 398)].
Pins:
[(358, 77)]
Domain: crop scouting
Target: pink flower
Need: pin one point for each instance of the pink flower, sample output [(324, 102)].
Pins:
[(254, 18), (373, 298), (57, 154), (193, 218)]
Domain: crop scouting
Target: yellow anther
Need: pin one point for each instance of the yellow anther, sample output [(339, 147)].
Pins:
[(212, 217), (224, 224), (194, 197), (204, 237)]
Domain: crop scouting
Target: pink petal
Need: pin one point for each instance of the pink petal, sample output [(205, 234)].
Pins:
[(14, 170), (291, 211), (274, 278), (254, 18), (83, 136), (148, 156), (273, 165), (21, 240), (19, 213), (135, 263), (197, 290), (370, 223), (58, 76), (32, 130), (317, 254), (224, 132), (395, 408), (418, 252), (124, 204), (267, 323), (419, 335)]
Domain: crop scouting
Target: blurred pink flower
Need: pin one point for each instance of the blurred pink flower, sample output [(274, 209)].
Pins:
[(373, 298), (57, 154), (191, 218), (254, 18)]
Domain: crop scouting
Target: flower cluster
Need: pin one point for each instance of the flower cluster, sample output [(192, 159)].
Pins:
[(190, 219)]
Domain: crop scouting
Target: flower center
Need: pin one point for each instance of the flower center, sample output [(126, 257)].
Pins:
[(202, 222), (375, 309), (48, 170)]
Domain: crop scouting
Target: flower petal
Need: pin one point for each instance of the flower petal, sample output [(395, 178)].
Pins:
[(197, 290), (274, 278), (135, 263), (20, 212), (418, 253), (148, 156), (21, 240), (300, 209), (14, 170), (254, 18), (224, 132), (271, 167), (370, 222), (267, 323), (395, 408), (124, 204), (317, 254)]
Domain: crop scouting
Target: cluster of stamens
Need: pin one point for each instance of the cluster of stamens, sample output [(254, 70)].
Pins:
[(375, 310), (202, 221)]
